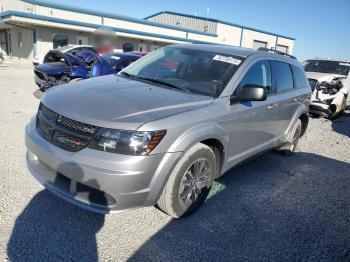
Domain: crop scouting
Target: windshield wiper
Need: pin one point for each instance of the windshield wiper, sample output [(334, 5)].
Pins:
[(128, 75), (157, 81)]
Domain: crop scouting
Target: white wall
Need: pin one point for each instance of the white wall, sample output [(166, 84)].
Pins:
[(228, 34), (249, 36)]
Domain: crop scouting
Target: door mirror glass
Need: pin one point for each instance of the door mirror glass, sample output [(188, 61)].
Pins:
[(250, 92)]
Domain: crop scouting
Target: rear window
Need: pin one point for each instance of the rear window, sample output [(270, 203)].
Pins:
[(282, 75), (299, 77)]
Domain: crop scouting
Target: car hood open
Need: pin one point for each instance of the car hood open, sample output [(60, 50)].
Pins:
[(116, 102)]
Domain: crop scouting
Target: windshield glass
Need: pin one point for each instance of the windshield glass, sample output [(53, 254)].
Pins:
[(196, 71), (326, 66)]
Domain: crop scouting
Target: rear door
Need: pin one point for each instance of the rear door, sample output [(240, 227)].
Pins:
[(283, 82)]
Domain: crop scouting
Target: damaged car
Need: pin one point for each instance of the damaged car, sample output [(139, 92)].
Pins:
[(330, 84), (61, 68)]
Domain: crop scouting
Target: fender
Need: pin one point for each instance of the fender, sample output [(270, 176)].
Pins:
[(189, 138), (302, 109), (198, 133)]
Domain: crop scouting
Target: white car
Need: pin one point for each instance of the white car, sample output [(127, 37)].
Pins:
[(330, 83), (39, 59)]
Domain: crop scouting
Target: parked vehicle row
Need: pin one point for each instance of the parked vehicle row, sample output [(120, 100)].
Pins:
[(163, 129)]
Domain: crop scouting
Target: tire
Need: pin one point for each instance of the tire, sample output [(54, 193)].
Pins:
[(182, 195), (293, 139)]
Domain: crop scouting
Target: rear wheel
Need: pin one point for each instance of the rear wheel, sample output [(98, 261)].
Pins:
[(189, 183), (293, 139)]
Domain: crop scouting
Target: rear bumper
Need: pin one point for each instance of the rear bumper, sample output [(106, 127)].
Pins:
[(98, 181)]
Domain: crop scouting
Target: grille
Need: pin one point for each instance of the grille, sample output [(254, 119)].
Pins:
[(75, 125), (69, 141), (49, 114), (313, 83), (45, 127), (62, 131)]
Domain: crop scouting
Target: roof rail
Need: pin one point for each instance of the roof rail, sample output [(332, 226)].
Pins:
[(275, 51)]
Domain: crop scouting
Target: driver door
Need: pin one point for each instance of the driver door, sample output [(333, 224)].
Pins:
[(253, 122)]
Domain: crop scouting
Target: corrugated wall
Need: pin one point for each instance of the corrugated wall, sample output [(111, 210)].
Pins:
[(186, 22)]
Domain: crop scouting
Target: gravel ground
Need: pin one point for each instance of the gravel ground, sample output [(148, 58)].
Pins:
[(273, 208)]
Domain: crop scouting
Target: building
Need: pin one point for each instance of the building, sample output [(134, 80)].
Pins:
[(33, 27)]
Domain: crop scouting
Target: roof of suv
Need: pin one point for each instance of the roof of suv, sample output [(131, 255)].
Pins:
[(232, 50)]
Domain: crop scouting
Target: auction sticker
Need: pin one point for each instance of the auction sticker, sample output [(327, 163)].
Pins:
[(227, 59)]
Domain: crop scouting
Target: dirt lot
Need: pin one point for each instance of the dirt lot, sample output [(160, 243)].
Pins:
[(271, 209)]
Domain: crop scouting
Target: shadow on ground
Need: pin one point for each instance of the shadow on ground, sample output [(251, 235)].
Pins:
[(50, 229), (342, 125), (271, 209)]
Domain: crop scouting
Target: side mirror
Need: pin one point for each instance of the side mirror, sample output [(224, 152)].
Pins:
[(249, 92)]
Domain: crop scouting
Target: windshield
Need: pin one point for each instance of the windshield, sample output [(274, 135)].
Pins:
[(196, 71), (326, 66)]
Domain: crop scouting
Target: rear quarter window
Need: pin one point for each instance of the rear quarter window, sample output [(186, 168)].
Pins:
[(299, 77), (283, 77)]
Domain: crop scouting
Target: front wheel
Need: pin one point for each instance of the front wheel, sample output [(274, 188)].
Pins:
[(190, 182)]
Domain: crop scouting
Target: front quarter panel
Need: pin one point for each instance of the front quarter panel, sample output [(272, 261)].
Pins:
[(188, 128)]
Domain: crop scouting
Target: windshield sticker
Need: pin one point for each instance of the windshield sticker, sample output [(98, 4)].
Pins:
[(227, 59), (344, 64), (115, 57)]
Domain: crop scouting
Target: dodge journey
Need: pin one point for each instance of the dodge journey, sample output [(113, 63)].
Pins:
[(162, 130)]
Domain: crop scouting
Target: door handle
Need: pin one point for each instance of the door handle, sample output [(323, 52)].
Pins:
[(272, 106)]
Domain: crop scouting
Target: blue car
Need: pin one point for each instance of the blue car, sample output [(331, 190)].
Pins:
[(60, 68)]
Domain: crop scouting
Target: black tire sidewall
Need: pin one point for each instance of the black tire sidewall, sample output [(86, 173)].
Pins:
[(177, 207)]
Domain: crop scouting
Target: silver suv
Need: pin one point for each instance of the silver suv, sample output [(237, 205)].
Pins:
[(163, 129)]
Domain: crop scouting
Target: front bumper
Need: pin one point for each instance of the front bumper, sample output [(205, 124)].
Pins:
[(320, 108), (98, 181)]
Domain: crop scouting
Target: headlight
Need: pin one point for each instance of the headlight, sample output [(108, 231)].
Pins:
[(126, 142)]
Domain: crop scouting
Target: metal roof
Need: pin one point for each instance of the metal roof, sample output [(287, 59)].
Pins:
[(219, 21), (82, 10)]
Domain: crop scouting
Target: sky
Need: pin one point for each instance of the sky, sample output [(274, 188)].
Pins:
[(321, 28)]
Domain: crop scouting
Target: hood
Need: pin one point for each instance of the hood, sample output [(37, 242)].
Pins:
[(116, 102), (55, 68), (320, 77)]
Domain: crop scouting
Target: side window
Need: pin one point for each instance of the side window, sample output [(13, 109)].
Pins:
[(59, 40), (258, 74), (299, 77), (283, 76)]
